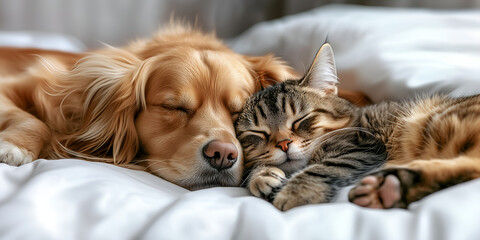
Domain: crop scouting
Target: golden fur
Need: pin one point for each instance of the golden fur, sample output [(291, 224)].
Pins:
[(155, 104), (158, 100)]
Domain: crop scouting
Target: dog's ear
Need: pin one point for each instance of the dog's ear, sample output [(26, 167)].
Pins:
[(111, 85), (268, 70)]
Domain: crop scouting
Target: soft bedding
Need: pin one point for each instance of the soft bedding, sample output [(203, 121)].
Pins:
[(388, 53), (74, 199)]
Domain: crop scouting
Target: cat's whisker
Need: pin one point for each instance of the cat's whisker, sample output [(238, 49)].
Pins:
[(322, 139), (246, 178), (252, 162)]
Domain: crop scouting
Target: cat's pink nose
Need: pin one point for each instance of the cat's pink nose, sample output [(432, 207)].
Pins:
[(284, 144), (220, 155)]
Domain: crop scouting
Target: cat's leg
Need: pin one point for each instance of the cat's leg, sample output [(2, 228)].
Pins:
[(22, 135), (306, 187), (338, 164), (265, 181), (317, 183), (397, 187)]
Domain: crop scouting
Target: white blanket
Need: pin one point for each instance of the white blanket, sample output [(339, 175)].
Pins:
[(74, 199)]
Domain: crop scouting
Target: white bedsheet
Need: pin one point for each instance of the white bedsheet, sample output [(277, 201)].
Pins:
[(74, 199)]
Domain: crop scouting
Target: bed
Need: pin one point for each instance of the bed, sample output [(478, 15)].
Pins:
[(386, 53)]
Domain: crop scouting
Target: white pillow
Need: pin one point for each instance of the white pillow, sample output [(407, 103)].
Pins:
[(384, 52)]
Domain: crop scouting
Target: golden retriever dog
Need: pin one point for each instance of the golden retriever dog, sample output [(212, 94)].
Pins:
[(165, 105)]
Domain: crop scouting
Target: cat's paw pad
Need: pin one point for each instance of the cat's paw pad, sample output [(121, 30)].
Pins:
[(13, 155), (267, 182), (376, 191)]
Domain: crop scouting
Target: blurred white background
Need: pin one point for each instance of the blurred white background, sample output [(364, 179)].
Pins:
[(116, 22)]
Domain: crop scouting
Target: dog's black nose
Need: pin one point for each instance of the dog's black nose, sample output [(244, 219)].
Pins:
[(220, 155)]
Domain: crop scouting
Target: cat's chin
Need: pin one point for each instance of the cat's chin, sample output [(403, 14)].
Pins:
[(290, 166)]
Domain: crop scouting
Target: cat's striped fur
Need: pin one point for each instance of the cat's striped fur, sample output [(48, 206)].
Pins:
[(302, 143)]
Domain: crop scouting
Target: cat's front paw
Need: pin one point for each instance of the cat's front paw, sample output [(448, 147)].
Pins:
[(302, 190), (288, 198), (266, 182), (384, 189), (13, 155)]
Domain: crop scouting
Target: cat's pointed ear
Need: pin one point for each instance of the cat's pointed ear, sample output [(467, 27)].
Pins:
[(322, 74)]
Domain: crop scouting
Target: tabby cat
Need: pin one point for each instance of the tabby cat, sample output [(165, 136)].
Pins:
[(302, 143)]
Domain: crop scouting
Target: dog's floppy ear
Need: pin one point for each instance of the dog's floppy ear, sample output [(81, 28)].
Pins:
[(112, 86), (268, 70)]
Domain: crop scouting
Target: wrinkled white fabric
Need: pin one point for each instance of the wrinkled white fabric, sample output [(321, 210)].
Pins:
[(74, 199), (388, 53)]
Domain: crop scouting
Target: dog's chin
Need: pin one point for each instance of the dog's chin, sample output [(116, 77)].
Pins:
[(208, 178)]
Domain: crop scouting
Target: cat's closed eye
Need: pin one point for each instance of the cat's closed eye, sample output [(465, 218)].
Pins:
[(305, 124), (252, 139), (296, 124), (256, 137)]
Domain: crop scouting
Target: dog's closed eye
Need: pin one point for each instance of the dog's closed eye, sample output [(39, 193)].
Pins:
[(175, 108)]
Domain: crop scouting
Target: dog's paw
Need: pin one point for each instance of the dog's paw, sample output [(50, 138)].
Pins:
[(13, 155), (266, 182), (384, 189)]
